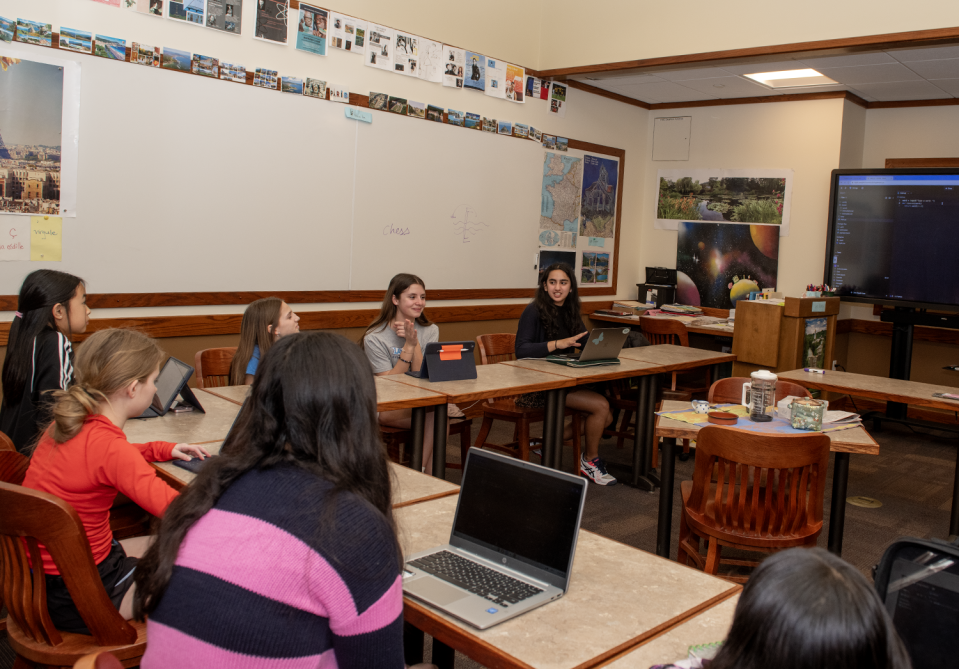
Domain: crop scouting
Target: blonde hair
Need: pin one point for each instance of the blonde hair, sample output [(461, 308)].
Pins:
[(108, 361)]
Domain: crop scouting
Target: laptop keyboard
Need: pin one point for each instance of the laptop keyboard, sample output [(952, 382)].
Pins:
[(483, 581)]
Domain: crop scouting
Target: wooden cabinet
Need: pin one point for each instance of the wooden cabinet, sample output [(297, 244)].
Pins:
[(800, 333)]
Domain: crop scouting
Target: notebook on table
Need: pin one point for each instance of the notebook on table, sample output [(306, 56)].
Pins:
[(600, 347), (512, 545)]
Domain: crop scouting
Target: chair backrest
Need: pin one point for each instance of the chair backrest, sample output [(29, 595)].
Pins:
[(6, 443), (730, 390), (102, 660), (13, 467), (30, 518), (663, 331), (767, 486), (213, 366), (496, 347)]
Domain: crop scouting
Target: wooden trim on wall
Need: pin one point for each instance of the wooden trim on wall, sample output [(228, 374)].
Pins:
[(228, 324), (919, 162), (911, 38)]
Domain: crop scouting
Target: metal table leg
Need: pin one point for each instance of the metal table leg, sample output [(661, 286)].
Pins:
[(837, 506), (651, 441), (549, 427), (443, 656), (664, 529), (640, 478), (417, 425), (560, 419), (439, 440), (412, 644)]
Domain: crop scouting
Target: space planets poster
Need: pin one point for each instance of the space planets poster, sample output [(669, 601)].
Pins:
[(719, 264)]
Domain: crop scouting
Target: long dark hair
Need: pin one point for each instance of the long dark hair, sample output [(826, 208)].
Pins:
[(559, 322), (312, 405), (41, 291), (808, 609), (398, 286), (255, 330)]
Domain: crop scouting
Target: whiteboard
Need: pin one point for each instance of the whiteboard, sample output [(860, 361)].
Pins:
[(187, 184)]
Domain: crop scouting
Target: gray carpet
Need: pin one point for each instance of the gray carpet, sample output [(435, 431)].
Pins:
[(912, 477)]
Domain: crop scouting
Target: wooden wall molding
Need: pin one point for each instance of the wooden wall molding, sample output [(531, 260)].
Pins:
[(866, 42), (228, 324)]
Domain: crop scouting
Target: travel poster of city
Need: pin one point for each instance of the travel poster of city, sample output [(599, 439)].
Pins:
[(724, 196), (30, 139)]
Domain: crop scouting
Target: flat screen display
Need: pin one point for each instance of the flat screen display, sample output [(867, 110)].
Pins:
[(894, 237)]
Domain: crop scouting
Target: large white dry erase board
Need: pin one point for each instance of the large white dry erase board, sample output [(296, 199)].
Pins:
[(188, 184)]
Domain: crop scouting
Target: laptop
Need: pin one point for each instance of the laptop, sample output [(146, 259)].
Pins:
[(172, 382), (512, 545), (600, 347)]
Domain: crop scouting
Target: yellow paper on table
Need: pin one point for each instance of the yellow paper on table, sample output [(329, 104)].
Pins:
[(694, 418), (46, 235)]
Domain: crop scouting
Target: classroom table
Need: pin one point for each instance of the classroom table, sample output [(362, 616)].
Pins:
[(496, 380), (410, 486), (717, 330), (619, 597), (389, 397), (707, 627), (626, 368), (841, 442), (888, 390), (192, 426)]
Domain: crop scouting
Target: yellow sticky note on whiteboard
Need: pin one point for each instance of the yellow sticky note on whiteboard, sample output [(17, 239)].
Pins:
[(46, 235)]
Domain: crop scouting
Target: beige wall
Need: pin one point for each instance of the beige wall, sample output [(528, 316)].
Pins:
[(910, 132), (608, 31)]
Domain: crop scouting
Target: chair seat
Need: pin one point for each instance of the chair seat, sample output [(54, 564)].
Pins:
[(74, 647), (706, 524)]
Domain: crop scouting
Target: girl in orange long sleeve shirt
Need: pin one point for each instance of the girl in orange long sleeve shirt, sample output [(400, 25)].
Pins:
[(85, 459)]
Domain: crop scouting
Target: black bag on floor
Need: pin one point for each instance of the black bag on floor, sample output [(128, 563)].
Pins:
[(918, 581)]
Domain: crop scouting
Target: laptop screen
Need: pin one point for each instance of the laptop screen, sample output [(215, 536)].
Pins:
[(520, 511)]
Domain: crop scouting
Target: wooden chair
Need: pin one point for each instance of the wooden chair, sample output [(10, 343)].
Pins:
[(396, 438), (98, 661), (668, 331), (13, 468), (754, 492), (41, 518), (212, 366), (501, 347), (730, 391), (6, 443)]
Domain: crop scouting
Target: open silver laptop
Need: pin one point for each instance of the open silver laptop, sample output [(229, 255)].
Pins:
[(512, 545), (600, 347)]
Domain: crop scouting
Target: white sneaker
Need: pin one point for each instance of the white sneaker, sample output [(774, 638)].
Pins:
[(595, 471)]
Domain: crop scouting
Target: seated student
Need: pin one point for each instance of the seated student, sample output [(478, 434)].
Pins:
[(84, 459), (51, 308), (283, 551), (807, 608), (264, 322), (394, 344), (552, 324)]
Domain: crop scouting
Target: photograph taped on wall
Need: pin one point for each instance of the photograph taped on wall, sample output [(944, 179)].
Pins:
[(40, 125), (475, 71), (231, 72), (595, 268), (315, 88), (454, 61), (347, 33), (144, 54), (9, 26), (719, 264), (514, 83), (148, 7), (758, 196), (189, 11), (76, 40), (311, 29), (271, 20), (224, 15), (379, 47), (600, 181)]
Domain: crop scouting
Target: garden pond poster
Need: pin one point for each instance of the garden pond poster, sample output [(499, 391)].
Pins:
[(755, 196)]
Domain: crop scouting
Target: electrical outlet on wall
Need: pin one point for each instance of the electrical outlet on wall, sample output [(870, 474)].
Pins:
[(835, 365)]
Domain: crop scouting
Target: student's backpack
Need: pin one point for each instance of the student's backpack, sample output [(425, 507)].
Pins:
[(918, 581)]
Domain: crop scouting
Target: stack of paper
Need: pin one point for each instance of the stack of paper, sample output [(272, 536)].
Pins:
[(680, 309)]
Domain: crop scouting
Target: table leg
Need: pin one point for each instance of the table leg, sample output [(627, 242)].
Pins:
[(652, 442), (560, 418), (644, 424), (417, 425), (440, 428), (954, 518), (443, 656), (549, 427), (837, 506), (412, 644), (664, 529)]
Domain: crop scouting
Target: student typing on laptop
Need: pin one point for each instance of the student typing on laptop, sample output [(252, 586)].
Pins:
[(552, 324)]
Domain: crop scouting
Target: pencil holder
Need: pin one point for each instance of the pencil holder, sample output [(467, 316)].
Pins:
[(808, 414)]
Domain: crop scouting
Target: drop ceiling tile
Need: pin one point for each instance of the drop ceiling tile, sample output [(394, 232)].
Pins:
[(950, 86), (936, 69), (698, 73), (869, 74), (850, 60), (753, 68), (924, 53), (903, 90), (662, 92), (730, 87)]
